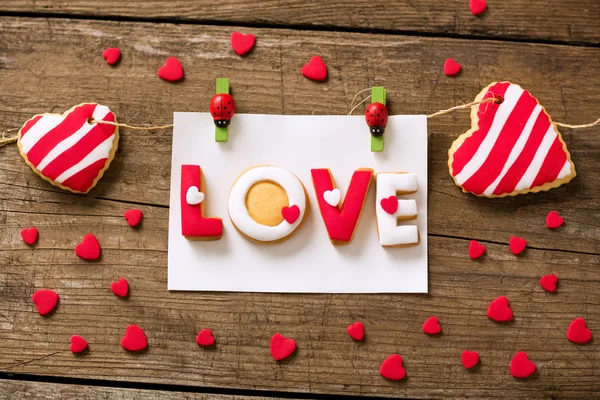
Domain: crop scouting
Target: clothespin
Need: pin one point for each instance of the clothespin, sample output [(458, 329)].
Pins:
[(222, 108), (377, 117)]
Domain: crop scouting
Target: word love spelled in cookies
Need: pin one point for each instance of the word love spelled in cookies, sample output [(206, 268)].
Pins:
[(267, 204)]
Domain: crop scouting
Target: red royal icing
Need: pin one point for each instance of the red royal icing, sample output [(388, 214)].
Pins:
[(523, 150), (193, 223), (341, 221)]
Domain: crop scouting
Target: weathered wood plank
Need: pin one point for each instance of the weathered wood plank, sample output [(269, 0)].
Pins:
[(550, 20), (51, 65), (12, 389), (38, 78)]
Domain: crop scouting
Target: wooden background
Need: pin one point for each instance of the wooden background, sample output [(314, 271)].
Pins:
[(50, 60)]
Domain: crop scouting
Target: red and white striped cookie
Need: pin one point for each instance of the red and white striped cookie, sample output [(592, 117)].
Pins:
[(512, 147), (67, 150)]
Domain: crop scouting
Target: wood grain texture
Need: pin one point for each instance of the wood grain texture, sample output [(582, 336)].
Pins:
[(10, 389), (549, 20), (50, 65)]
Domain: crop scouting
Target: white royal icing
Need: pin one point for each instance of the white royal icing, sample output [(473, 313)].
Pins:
[(390, 184), (237, 202), (332, 197), (194, 196)]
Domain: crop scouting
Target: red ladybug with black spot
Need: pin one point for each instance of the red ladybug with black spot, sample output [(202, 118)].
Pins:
[(377, 118), (222, 108)]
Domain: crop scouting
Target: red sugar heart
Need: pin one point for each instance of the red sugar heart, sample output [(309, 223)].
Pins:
[(578, 331), (111, 55), (499, 310), (469, 358), (548, 282), (45, 300), (281, 347), (205, 338), (29, 235), (290, 214), (89, 248), (172, 71), (477, 6), (120, 287), (476, 250), (356, 330), (517, 245), (315, 70), (432, 326), (553, 220), (241, 43), (134, 339), (133, 217), (392, 368), (520, 366), (389, 205), (78, 344), (451, 67)]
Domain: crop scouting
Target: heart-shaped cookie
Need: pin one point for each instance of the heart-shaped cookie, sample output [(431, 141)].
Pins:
[(205, 338), (68, 150), (242, 43), (134, 339), (78, 344), (45, 301), (392, 368), (499, 310), (521, 366), (315, 70), (281, 347), (89, 248), (356, 331), (513, 147)]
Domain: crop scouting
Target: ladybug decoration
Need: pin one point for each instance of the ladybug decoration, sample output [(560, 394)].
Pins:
[(222, 108), (377, 118)]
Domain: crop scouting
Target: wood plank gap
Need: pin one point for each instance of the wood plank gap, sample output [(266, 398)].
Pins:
[(181, 388), (295, 27)]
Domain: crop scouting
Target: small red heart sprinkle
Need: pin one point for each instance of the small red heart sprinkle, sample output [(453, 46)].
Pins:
[(578, 331), (315, 69), (30, 235), (111, 55), (205, 338), (356, 330), (499, 310), (476, 250), (120, 287), (281, 347), (520, 366), (432, 326), (133, 217), (172, 71), (290, 214), (392, 368), (89, 248), (548, 282), (469, 358), (477, 6), (45, 300), (78, 344), (553, 220), (517, 245), (389, 204), (134, 339), (451, 67), (241, 43)]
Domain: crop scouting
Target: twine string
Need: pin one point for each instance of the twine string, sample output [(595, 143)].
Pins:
[(463, 106), (135, 128), (596, 122)]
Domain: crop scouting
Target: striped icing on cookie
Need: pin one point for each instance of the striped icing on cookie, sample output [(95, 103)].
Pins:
[(514, 147), (66, 149)]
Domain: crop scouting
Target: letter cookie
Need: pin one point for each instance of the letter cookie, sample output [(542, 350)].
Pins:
[(267, 204), (389, 210), (341, 221), (511, 148), (67, 150), (194, 225)]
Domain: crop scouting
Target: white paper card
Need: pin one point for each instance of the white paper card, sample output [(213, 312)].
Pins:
[(306, 262)]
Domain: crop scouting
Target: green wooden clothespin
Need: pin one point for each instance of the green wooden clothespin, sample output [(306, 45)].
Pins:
[(378, 94), (222, 133)]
